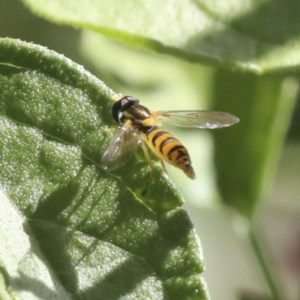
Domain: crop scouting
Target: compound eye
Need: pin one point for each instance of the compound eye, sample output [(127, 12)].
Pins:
[(116, 111), (121, 106)]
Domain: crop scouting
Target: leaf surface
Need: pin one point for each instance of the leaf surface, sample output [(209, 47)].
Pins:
[(90, 231)]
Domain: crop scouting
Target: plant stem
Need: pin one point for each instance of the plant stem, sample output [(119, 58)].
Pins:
[(265, 264)]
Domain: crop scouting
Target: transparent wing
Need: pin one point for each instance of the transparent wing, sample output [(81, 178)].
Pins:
[(123, 145), (198, 118)]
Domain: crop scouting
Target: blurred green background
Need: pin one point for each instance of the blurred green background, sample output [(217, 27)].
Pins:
[(164, 82)]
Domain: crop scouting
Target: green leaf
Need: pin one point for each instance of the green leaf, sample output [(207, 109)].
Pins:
[(246, 155), (257, 36), (81, 231)]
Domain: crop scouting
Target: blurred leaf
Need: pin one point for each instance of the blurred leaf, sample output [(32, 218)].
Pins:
[(253, 296), (25, 25), (258, 36), (81, 231), (294, 132), (139, 72), (246, 155)]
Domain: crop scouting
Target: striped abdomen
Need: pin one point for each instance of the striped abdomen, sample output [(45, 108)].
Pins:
[(166, 147)]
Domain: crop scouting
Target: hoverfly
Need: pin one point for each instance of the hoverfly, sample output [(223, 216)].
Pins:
[(141, 126)]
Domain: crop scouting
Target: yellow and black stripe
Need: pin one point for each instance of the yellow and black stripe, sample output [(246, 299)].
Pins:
[(166, 147), (163, 144)]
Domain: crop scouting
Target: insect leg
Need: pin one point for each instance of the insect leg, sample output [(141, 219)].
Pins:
[(149, 173), (163, 166), (146, 153)]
